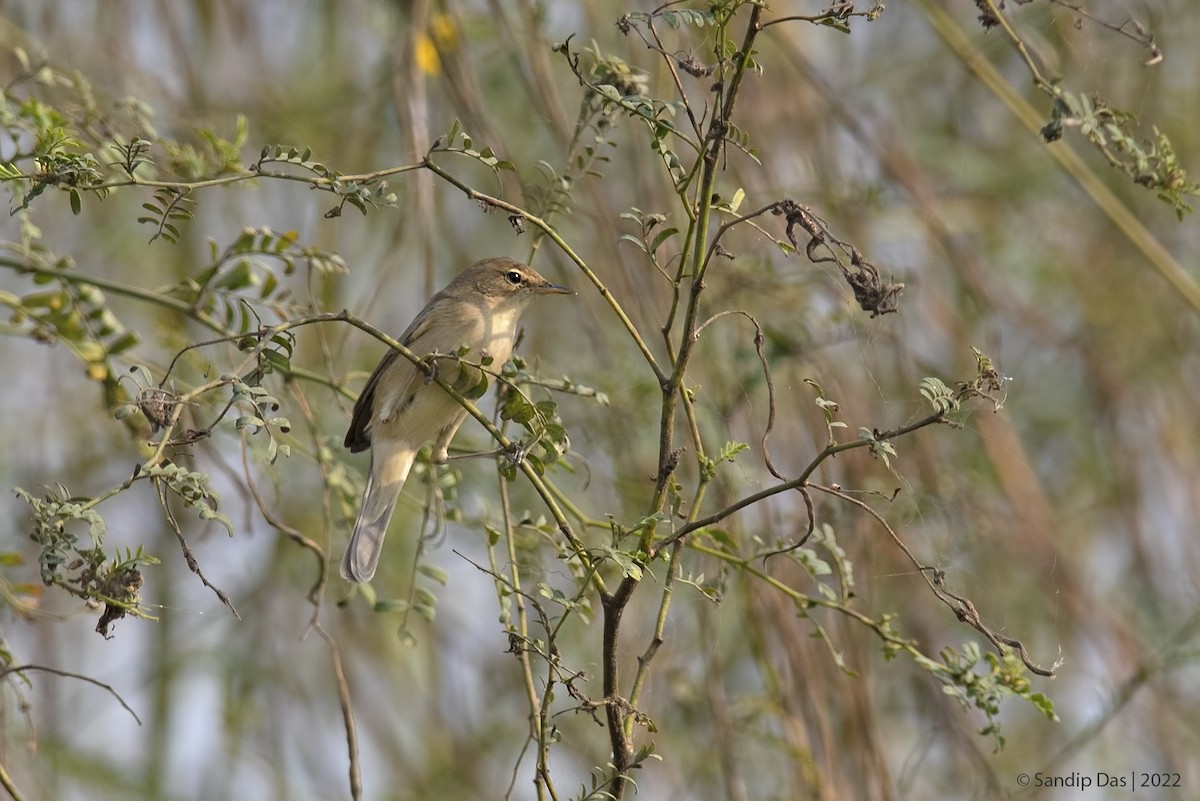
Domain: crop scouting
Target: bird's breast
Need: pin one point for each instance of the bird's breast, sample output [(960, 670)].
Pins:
[(412, 408)]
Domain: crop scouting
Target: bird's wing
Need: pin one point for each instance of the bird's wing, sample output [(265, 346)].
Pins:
[(403, 382)]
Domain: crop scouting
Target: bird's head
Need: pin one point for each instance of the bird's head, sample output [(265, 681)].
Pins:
[(501, 278)]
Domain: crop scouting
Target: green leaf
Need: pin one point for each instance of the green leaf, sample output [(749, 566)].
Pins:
[(276, 361), (731, 450), (96, 526), (436, 573), (90, 351), (385, 605), (609, 92), (663, 236), (836, 24), (240, 277), (631, 238), (722, 538), (517, 409), (246, 421), (629, 566), (123, 343), (425, 596), (1044, 705), (270, 284), (479, 389)]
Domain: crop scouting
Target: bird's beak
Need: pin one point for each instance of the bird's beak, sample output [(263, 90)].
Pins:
[(552, 289)]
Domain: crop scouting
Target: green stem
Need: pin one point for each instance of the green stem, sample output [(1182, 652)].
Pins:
[(7, 783), (660, 626), (537, 715), (125, 290), (156, 299), (251, 174)]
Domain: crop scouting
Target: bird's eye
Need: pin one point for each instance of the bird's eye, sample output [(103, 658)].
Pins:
[(513, 277)]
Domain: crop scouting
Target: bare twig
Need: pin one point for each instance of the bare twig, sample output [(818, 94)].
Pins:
[(964, 610), (189, 557), (343, 688), (69, 675), (317, 590)]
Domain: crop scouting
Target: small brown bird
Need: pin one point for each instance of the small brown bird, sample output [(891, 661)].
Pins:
[(400, 409)]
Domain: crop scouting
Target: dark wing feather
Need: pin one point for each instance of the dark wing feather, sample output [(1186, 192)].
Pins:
[(357, 437)]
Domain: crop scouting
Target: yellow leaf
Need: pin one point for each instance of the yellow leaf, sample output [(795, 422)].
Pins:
[(89, 351), (445, 33), (426, 56)]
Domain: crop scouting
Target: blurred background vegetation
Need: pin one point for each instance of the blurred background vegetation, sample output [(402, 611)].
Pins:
[(1069, 517)]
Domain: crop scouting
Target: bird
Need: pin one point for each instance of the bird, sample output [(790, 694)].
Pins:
[(400, 408)]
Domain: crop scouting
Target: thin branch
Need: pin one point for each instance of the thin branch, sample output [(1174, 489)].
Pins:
[(812, 525), (660, 626), (800, 481), (154, 298), (537, 711), (138, 293), (7, 783), (343, 688), (69, 675), (804, 601), (189, 557), (317, 590), (994, 17), (964, 610), (657, 46), (836, 15)]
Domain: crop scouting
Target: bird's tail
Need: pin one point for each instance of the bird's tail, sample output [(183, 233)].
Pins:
[(384, 481)]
